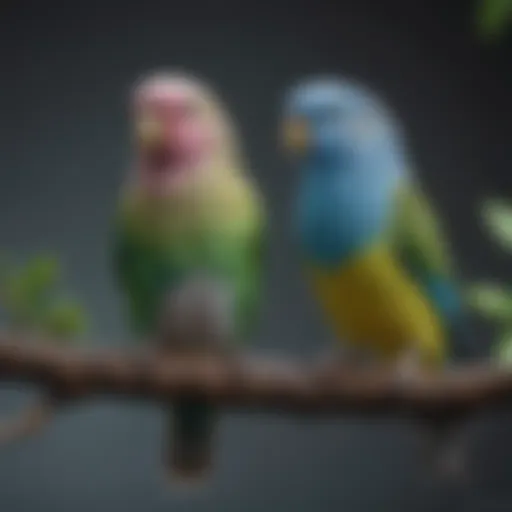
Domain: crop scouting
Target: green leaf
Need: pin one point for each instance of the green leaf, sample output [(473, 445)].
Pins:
[(27, 289), (64, 320), (493, 16), (15, 301), (30, 300), (41, 273), (502, 350), (497, 216), (492, 301)]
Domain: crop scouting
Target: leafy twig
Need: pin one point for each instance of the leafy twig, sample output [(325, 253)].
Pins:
[(33, 304), (491, 300), (493, 18)]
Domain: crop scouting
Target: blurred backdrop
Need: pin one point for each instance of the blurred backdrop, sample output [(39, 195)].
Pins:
[(66, 72)]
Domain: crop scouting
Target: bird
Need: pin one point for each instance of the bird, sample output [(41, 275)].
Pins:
[(188, 243), (371, 244)]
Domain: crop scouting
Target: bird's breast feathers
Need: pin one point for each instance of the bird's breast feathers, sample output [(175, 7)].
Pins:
[(228, 204), (337, 217)]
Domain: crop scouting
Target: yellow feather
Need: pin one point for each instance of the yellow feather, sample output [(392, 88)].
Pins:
[(372, 302)]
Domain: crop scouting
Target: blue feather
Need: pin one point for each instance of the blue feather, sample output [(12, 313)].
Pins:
[(446, 298)]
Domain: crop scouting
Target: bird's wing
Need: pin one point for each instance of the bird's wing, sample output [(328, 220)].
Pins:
[(422, 248), (417, 234), (126, 267)]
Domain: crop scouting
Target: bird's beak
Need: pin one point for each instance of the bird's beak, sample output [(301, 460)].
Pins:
[(295, 135), (149, 132)]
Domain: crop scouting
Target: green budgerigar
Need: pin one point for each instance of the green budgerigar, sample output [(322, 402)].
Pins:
[(188, 241)]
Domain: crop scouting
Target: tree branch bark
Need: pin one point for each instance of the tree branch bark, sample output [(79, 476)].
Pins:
[(251, 383)]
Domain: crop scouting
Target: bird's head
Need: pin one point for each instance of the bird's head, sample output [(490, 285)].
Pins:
[(180, 130), (329, 119)]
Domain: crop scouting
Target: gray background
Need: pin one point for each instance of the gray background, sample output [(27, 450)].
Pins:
[(63, 150)]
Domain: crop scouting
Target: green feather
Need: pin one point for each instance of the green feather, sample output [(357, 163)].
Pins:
[(421, 247), (416, 234)]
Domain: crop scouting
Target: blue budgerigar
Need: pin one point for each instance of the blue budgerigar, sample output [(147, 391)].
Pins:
[(371, 245)]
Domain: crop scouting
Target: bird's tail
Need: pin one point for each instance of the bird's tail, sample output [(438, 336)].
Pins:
[(189, 455), (447, 299)]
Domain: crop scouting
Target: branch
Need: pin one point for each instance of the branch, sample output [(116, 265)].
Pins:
[(252, 383)]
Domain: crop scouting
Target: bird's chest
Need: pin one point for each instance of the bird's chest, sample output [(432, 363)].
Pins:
[(338, 215), (174, 241)]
